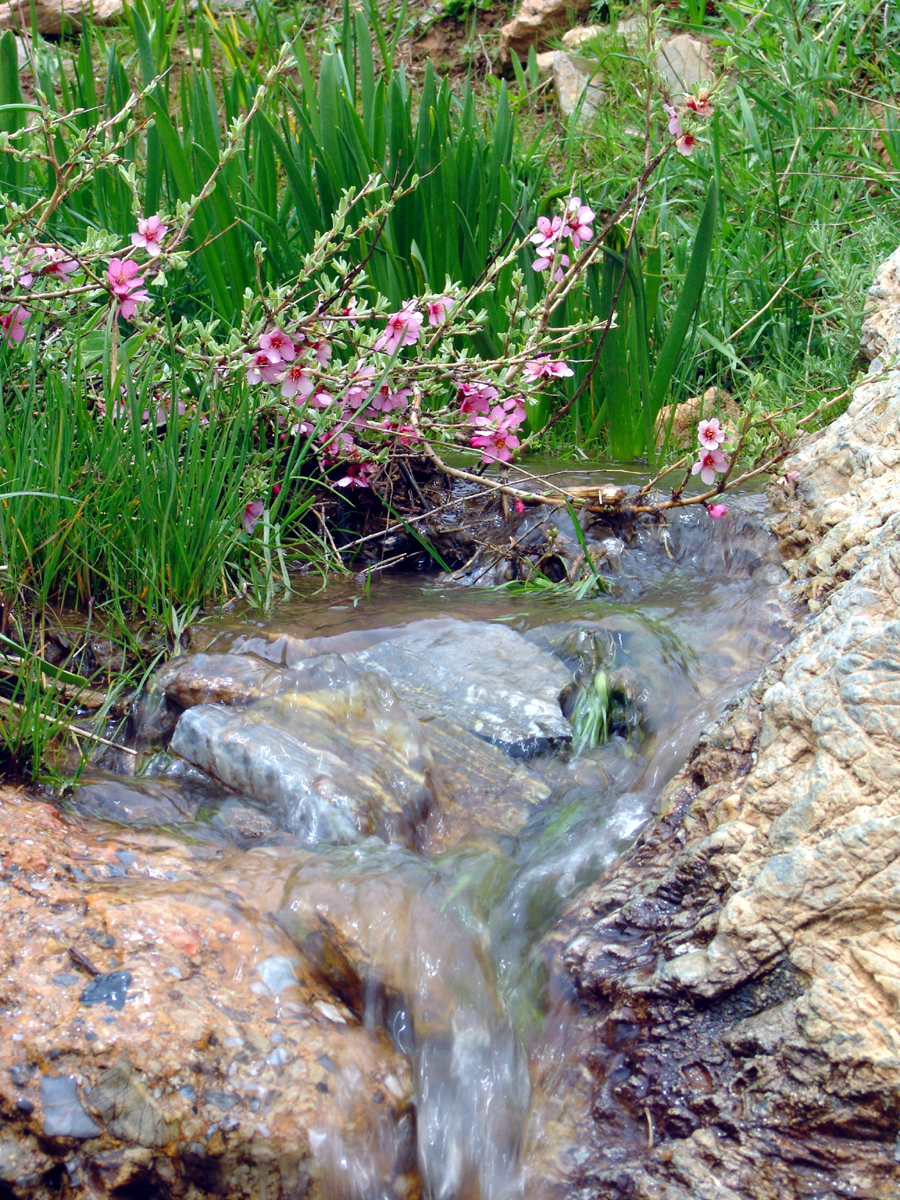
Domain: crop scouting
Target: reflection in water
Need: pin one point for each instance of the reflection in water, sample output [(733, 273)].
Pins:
[(433, 940)]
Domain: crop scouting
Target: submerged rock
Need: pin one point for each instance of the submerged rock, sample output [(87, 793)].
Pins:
[(486, 677), (219, 679), (338, 761)]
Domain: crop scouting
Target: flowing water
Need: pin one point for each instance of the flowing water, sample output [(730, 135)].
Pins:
[(431, 926)]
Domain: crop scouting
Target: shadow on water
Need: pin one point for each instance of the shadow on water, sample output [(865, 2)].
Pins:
[(419, 710)]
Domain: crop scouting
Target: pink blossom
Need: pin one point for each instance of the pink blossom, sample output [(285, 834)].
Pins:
[(476, 398), (520, 505), (320, 398), (699, 105), (59, 265), (496, 445), (11, 323), (402, 329), (280, 343), (263, 365), (321, 348), (578, 222), (545, 367), (515, 412), (337, 444), (674, 124), (349, 311), (150, 234), (546, 258), (359, 392), (547, 231), (126, 284), (711, 434), (685, 144), (357, 476), (716, 511), (252, 513), (709, 464), (405, 433), (385, 401), (297, 381), (437, 310), (495, 437)]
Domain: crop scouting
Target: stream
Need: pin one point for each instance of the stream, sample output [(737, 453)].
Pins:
[(383, 771)]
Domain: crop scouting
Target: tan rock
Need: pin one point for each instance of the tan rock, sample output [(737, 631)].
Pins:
[(536, 22), (684, 61), (228, 1059), (53, 17), (576, 91), (776, 857)]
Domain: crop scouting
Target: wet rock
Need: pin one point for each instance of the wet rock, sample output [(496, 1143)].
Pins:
[(219, 679), (110, 989), (125, 1108), (338, 762), (486, 677), (135, 802), (122, 1100), (51, 17)]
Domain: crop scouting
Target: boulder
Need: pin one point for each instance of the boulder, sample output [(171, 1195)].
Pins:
[(744, 957), (230, 1068), (536, 22), (52, 18), (576, 91), (337, 758), (684, 62), (219, 679)]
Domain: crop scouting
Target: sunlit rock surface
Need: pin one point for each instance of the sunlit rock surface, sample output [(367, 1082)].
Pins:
[(746, 954), (229, 1059)]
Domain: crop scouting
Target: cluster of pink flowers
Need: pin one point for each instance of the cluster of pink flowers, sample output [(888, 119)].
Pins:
[(48, 262), (495, 424), (697, 106), (710, 459), (125, 282), (404, 328), (575, 223)]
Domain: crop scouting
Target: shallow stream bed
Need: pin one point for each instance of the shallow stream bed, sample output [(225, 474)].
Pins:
[(378, 784)]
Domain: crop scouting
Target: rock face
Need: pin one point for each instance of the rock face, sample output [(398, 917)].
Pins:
[(52, 17), (746, 953), (219, 1064)]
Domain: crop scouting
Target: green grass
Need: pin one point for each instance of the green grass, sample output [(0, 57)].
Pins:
[(807, 207)]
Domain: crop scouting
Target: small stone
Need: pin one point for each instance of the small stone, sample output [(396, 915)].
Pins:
[(66, 980), (64, 1114), (108, 989), (220, 1099)]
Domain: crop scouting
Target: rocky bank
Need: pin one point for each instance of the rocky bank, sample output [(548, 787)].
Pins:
[(739, 969)]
